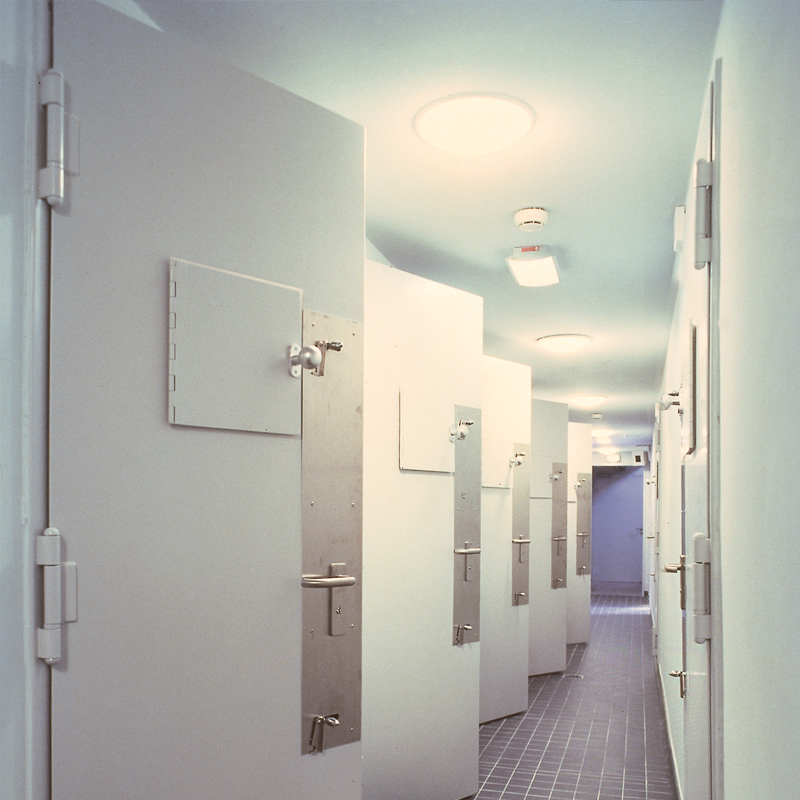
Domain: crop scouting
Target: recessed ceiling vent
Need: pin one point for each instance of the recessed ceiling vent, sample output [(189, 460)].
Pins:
[(530, 219)]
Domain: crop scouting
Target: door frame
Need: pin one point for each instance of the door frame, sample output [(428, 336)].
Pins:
[(24, 279), (714, 433)]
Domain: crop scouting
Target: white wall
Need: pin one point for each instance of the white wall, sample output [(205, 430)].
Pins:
[(757, 72), (24, 717), (760, 384)]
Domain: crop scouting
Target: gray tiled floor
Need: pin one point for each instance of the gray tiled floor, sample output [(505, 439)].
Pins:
[(595, 731)]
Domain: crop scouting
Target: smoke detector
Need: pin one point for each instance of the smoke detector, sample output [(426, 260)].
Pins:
[(530, 219)]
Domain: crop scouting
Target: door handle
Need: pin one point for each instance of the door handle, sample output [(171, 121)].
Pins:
[(681, 568), (681, 674), (341, 602), (326, 581)]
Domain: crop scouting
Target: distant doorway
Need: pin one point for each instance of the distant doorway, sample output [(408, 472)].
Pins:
[(617, 530)]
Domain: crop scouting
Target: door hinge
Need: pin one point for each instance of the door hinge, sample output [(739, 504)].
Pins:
[(702, 590), (60, 589), (702, 211), (63, 140)]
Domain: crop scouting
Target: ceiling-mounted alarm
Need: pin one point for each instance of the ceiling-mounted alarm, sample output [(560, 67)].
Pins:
[(530, 219)]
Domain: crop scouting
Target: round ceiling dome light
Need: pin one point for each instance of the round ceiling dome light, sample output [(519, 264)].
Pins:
[(564, 342), (588, 401), (474, 124)]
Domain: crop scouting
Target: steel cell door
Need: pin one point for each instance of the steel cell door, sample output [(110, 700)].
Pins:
[(696, 492), (182, 675)]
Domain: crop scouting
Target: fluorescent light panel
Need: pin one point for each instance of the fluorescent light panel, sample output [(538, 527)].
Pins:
[(533, 266)]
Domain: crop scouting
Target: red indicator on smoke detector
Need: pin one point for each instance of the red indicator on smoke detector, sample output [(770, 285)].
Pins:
[(530, 249)]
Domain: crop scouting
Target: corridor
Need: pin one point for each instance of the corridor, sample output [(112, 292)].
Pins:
[(595, 731)]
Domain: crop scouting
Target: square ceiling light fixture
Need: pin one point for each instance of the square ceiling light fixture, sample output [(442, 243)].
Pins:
[(533, 265)]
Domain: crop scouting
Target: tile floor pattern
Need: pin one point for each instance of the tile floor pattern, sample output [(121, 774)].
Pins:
[(600, 736)]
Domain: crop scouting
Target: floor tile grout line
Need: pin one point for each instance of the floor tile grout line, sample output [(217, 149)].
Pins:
[(552, 739)]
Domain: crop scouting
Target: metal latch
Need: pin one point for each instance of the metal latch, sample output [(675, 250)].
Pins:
[(459, 430), (60, 594), (468, 553), (310, 357), (516, 460), (460, 632), (336, 581), (320, 722)]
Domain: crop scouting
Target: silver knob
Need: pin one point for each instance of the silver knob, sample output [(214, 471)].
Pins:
[(309, 357)]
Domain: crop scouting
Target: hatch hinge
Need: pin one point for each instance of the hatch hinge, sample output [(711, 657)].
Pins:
[(60, 589), (702, 229), (63, 140)]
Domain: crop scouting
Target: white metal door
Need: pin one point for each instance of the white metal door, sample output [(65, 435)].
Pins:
[(181, 676), (421, 690), (505, 507), (694, 409), (547, 649)]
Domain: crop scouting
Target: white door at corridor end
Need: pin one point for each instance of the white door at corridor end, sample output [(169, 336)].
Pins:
[(182, 675)]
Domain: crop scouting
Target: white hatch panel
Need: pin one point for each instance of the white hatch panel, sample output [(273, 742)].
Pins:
[(229, 340), (426, 419)]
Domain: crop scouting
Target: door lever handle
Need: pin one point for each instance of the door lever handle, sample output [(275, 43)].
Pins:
[(326, 581)]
